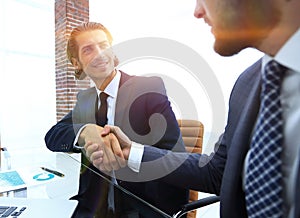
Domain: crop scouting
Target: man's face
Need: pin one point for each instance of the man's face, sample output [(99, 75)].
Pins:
[(95, 56), (238, 24)]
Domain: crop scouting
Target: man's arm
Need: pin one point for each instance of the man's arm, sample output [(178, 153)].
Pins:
[(61, 136), (185, 170)]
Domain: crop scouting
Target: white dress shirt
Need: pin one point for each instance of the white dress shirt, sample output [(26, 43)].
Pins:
[(112, 90)]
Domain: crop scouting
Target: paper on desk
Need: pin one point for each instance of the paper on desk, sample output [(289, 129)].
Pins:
[(36, 176), (24, 177), (11, 180)]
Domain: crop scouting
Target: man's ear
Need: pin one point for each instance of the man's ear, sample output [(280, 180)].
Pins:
[(78, 72), (75, 63)]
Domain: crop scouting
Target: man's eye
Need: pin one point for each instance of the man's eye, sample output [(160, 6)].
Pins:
[(86, 50)]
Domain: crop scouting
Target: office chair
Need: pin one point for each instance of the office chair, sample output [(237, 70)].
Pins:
[(193, 206), (192, 134)]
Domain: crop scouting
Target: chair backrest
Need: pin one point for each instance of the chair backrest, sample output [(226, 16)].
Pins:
[(192, 134)]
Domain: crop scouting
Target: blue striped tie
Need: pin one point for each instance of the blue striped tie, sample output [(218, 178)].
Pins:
[(263, 177)]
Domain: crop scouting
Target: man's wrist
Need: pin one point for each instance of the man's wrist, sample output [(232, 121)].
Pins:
[(78, 141), (78, 147)]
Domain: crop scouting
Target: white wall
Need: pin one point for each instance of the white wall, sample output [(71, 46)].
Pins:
[(27, 72), (172, 19)]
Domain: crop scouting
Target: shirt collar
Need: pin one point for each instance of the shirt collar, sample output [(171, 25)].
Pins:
[(289, 54), (112, 88)]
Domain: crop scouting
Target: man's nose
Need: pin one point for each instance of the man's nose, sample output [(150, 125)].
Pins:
[(199, 9), (98, 49)]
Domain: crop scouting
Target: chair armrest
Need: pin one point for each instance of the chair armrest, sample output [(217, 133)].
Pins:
[(196, 204)]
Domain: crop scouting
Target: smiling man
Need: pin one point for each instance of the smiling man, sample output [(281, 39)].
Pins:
[(130, 103)]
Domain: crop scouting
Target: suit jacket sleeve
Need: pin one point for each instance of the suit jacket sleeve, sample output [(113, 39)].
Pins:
[(187, 170), (60, 137)]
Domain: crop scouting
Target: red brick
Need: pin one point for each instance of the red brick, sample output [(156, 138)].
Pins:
[(68, 14)]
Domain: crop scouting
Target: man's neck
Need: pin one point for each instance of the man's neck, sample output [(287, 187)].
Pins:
[(289, 24), (107, 80)]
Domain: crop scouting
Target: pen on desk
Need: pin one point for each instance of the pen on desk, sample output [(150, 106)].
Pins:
[(53, 171)]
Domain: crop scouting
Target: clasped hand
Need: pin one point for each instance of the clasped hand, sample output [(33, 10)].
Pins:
[(110, 150)]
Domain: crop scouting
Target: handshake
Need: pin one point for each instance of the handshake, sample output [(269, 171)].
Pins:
[(107, 148)]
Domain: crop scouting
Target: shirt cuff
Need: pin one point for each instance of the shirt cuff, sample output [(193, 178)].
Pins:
[(75, 145), (135, 156)]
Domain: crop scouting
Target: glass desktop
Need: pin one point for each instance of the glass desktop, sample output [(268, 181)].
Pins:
[(56, 175)]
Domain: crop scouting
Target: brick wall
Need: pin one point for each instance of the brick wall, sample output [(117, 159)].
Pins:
[(68, 14)]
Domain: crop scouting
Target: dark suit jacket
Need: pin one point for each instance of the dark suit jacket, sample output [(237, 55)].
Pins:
[(138, 99), (221, 173)]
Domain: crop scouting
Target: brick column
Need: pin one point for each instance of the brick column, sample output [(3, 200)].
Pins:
[(68, 14)]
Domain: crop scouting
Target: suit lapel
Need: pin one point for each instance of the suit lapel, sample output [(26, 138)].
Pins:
[(122, 105), (245, 106), (246, 118), (89, 106)]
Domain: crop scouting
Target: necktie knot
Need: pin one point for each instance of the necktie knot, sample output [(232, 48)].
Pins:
[(103, 97), (272, 75)]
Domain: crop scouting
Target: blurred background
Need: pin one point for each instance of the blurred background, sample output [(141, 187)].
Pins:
[(27, 59)]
